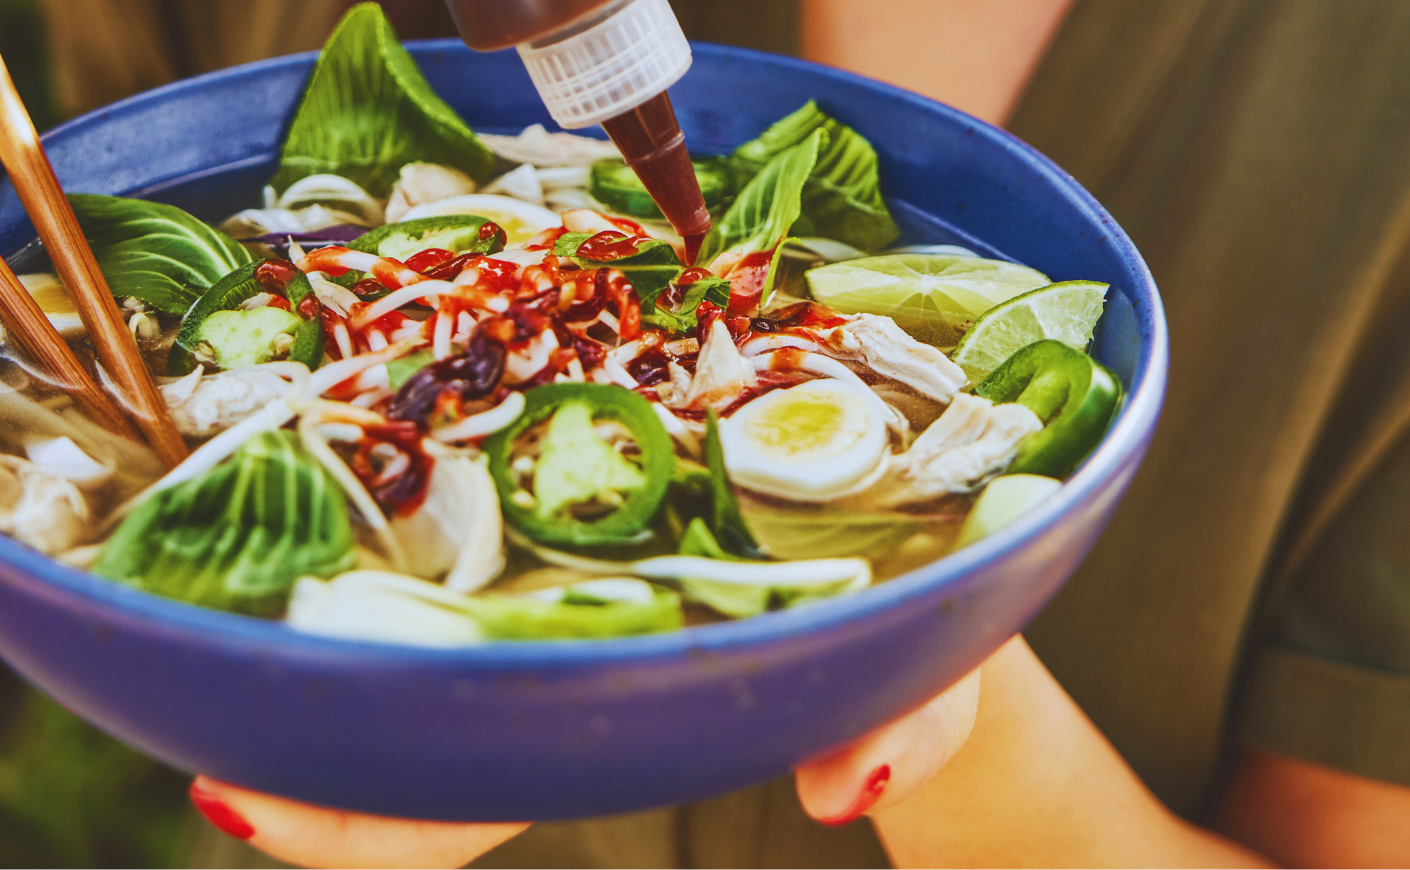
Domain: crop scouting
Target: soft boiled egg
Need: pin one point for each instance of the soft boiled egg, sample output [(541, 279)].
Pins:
[(813, 442)]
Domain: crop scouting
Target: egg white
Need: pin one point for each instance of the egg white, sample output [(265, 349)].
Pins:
[(812, 442)]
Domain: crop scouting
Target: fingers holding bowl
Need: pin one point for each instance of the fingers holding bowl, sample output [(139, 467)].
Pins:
[(885, 766), (313, 836)]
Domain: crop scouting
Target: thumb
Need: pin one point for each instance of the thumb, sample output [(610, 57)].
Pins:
[(312, 836), (884, 766)]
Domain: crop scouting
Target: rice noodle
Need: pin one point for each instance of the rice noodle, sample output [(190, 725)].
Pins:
[(357, 493), (484, 423)]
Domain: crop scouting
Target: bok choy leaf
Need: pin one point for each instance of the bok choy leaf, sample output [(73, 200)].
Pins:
[(380, 605), (368, 111), (767, 207), (842, 198), (155, 252), (238, 536)]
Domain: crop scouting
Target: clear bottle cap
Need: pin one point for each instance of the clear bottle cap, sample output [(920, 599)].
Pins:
[(598, 68)]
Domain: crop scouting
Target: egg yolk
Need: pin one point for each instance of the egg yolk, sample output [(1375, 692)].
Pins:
[(804, 424)]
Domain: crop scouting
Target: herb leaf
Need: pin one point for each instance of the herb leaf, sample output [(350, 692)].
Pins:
[(842, 198), (650, 269), (683, 319), (768, 205), (238, 536), (726, 521), (155, 252), (368, 111)]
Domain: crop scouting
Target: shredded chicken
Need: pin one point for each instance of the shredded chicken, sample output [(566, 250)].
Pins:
[(46, 512), (890, 351), (458, 529), (721, 374), (973, 439), (522, 183), (425, 182), (203, 405)]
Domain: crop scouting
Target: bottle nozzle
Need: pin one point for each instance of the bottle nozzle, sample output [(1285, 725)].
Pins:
[(612, 67), (652, 144)]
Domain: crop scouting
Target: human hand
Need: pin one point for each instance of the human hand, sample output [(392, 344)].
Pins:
[(883, 767), (312, 836)]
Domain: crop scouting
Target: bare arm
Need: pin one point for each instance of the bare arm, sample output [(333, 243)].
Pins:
[(1038, 785), (1306, 815)]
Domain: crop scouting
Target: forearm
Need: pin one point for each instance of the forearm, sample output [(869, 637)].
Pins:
[(1038, 785)]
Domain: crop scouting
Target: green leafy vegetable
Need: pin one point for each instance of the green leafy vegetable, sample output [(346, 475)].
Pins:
[(828, 532), (740, 600), (732, 599), (155, 252), (368, 111), (238, 536), (615, 184), (726, 520), (768, 205), (567, 244), (842, 198), (504, 617), (379, 605), (457, 233), (650, 269), (683, 319), (399, 371)]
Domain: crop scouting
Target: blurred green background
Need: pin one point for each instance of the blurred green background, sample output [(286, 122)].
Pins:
[(69, 795)]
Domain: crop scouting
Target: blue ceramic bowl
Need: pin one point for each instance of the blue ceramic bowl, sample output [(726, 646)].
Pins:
[(567, 729)]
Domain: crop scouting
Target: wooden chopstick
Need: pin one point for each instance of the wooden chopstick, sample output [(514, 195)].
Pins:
[(33, 176), (25, 322)]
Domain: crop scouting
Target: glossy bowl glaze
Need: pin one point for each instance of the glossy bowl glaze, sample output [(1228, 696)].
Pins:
[(566, 729)]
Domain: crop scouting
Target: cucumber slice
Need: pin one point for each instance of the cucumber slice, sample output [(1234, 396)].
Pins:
[(614, 184)]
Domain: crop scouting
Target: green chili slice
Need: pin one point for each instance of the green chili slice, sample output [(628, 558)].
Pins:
[(1074, 395), (580, 490), (240, 337)]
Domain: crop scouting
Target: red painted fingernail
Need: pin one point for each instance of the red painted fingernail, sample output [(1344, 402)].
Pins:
[(871, 792), (218, 813)]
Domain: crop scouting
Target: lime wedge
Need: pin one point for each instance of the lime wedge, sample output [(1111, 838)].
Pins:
[(1002, 502), (1067, 311), (930, 296)]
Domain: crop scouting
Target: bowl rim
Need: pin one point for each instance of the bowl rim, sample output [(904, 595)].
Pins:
[(152, 614)]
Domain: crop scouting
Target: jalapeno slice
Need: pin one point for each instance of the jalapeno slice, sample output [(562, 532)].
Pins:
[(580, 490), (237, 337), (1074, 395), (459, 234)]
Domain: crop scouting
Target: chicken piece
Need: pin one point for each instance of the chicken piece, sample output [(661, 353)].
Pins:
[(721, 374), (522, 183), (205, 405), (46, 512), (974, 438), (889, 351), (425, 182), (62, 458), (458, 530)]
